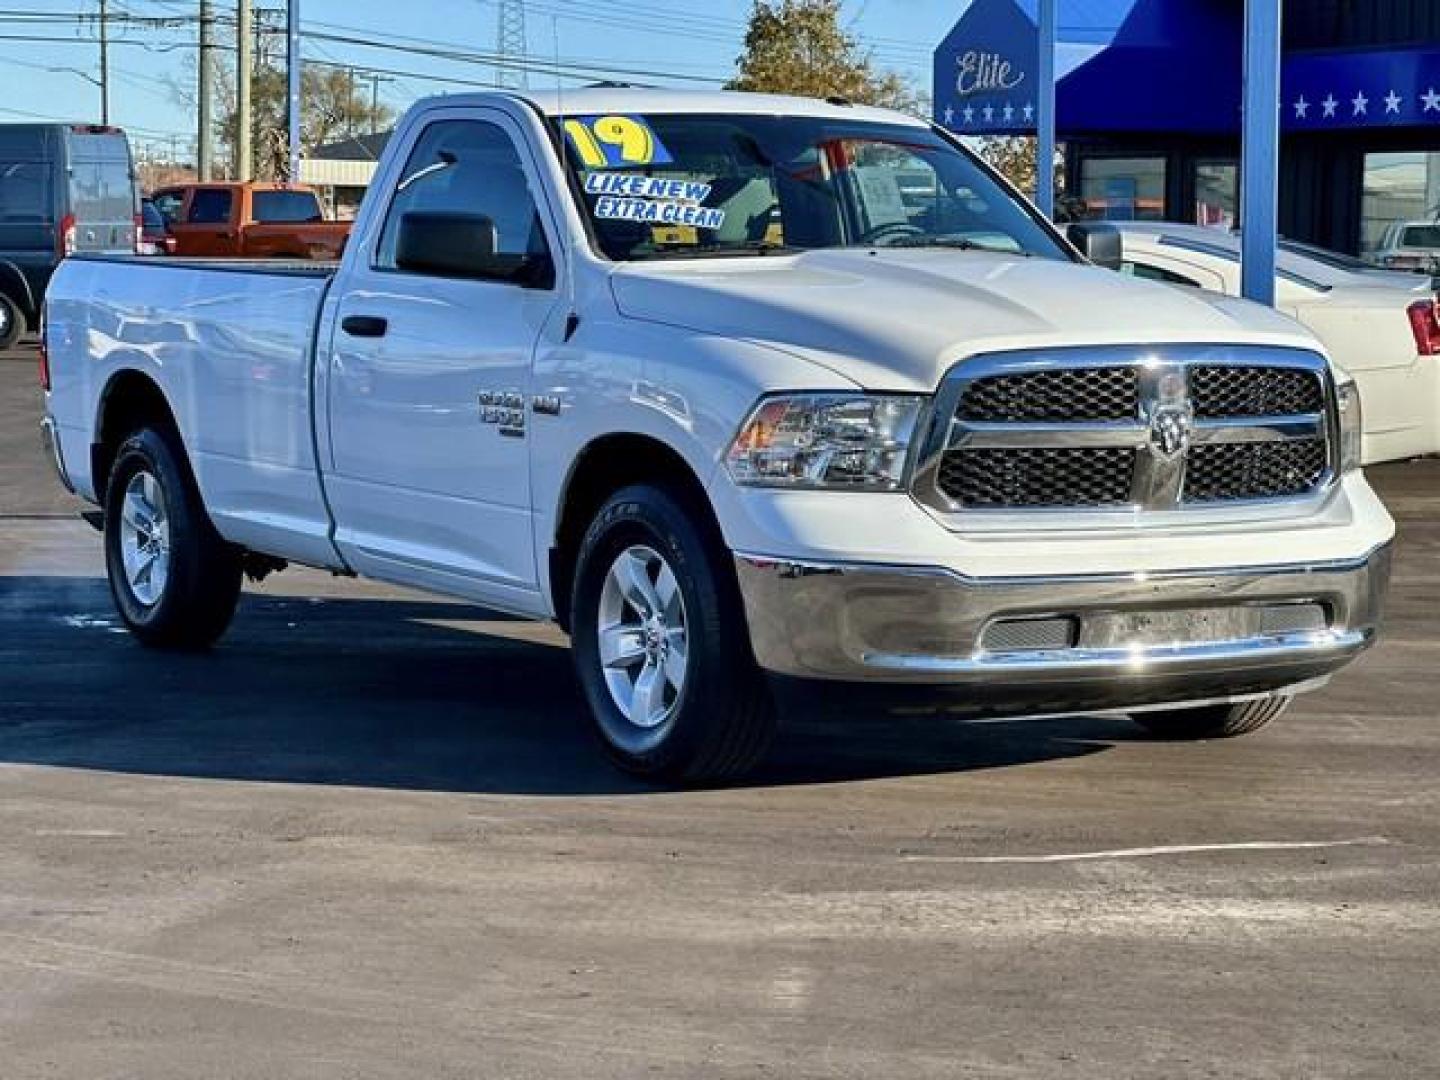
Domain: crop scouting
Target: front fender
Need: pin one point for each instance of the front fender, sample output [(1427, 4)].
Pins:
[(688, 391)]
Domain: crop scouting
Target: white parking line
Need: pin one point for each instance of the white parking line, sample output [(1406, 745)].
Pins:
[(1147, 852)]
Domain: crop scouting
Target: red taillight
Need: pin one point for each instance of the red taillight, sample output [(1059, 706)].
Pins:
[(65, 241), (1425, 322)]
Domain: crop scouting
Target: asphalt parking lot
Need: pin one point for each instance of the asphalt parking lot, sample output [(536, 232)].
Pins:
[(366, 837)]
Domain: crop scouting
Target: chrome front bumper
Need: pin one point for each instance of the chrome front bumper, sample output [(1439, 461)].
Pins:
[(1132, 639)]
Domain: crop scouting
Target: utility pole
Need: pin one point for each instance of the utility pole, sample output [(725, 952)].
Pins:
[(292, 60), (350, 102), (375, 80), (204, 151), (510, 45), (104, 64), (244, 70)]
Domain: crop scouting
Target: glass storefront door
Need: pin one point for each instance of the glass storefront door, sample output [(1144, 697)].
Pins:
[(1398, 227), (1217, 194)]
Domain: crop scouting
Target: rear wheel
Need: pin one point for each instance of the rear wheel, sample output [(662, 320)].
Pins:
[(1213, 721), (174, 579), (12, 322), (661, 646)]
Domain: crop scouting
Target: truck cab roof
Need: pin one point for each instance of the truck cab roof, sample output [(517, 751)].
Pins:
[(592, 100)]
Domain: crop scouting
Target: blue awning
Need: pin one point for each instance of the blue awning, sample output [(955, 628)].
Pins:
[(1393, 88), (1162, 66), (1174, 65)]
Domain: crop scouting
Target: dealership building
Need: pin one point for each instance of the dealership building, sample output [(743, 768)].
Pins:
[(1148, 107)]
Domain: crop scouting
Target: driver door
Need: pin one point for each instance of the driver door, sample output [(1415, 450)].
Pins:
[(427, 374)]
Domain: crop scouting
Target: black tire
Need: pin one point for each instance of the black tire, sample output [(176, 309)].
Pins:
[(197, 599), (1213, 721), (722, 718), (12, 322)]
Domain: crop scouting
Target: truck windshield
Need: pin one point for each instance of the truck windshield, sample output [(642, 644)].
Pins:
[(687, 185)]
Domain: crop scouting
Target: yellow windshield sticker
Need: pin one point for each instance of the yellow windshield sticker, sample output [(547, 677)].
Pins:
[(613, 142)]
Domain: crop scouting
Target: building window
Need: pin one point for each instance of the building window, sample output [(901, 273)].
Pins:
[(1402, 197), (1217, 194), (1123, 189)]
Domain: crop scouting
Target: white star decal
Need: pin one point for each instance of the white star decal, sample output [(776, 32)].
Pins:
[(949, 116), (1432, 100), (989, 113), (969, 115), (1302, 109), (1330, 105), (1361, 104), (1392, 102), (1029, 112), (1009, 112)]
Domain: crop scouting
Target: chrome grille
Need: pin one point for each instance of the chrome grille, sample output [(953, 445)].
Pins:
[(1125, 429), (1105, 393), (1254, 470), (1038, 476), (1218, 390)]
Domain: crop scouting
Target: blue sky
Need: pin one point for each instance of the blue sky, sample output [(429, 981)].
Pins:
[(680, 39)]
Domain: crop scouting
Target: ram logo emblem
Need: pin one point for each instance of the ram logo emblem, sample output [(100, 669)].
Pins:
[(1170, 432)]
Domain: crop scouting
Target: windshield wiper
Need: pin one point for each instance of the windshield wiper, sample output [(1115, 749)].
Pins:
[(954, 243), (718, 251)]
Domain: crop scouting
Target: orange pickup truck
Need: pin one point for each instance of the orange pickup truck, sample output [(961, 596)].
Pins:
[(250, 221)]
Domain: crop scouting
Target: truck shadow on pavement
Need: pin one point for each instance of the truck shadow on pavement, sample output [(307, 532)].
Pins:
[(403, 694)]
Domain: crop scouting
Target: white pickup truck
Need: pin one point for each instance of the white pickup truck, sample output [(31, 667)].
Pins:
[(730, 384)]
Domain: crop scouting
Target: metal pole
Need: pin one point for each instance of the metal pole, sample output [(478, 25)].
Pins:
[(204, 152), (1045, 113), (104, 64), (350, 102), (292, 59), (244, 71), (1260, 151), (374, 102)]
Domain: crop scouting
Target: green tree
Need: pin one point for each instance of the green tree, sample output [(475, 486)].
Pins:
[(800, 47), (332, 106), (1014, 157)]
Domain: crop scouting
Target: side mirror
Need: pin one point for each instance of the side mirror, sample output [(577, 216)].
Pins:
[(1098, 241), (446, 244)]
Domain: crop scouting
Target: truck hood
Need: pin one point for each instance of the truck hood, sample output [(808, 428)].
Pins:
[(899, 319)]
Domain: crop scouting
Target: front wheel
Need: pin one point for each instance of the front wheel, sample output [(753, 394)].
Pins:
[(661, 647), (1213, 721), (175, 580)]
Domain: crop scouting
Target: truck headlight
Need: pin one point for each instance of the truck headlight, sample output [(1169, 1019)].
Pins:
[(1352, 426), (850, 441)]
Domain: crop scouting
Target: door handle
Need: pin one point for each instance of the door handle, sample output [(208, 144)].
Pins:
[(364, 325)]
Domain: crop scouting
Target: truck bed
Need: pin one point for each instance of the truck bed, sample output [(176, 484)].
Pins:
[(293, 267), (228, 342)]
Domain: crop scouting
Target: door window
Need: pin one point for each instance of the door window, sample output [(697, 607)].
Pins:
[(286, 207), (210, 206), (1156, 273), (25, 192), (467, 167), (169, 204)]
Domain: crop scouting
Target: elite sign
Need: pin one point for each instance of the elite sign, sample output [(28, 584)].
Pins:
[(985, 77)]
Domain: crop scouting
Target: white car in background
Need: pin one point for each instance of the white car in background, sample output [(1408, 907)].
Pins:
[(1381, 327), (1409, 245)]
